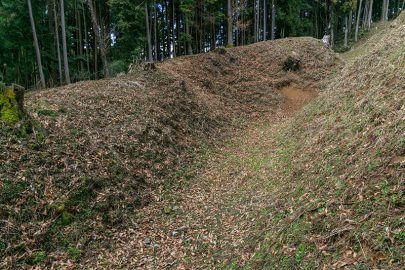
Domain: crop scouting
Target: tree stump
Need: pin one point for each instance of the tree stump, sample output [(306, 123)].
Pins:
[(11, 103), (149, 66)]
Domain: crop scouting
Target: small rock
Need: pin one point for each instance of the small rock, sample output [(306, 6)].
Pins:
[(147, 241), (175, 233)]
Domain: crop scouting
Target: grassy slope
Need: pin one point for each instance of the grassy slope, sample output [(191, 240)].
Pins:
[(336, 174)]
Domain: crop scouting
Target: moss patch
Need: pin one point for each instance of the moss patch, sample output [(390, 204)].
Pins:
[(8, 107)]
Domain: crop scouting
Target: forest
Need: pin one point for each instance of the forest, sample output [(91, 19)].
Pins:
[(77, 40), (202, 134)]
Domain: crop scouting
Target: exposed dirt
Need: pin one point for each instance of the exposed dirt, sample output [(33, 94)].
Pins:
[(296, 96)]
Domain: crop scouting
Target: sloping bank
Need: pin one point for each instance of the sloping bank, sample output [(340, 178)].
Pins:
[(337, 171)]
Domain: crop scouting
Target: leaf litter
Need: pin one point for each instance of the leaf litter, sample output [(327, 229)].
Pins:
[(106, 170)]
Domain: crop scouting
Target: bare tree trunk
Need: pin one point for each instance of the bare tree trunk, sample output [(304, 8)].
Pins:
[(350, 22), (346, 30), (86, 41), (95, 56), (383, 10), (370, 14), (36, 45), (101, 44), (356, 35), (55, 14), (150, 58), (189, 47), (230, 24), (257, 20), (273, 19), (387, 4), (173, 29), (65, 58), (365, 12), (255, 30), (332, 26), (264, 20), (80, 40), (155, 31), (168, 29)]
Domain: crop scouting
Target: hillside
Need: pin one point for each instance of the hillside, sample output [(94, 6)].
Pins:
[(322, 189), (215, 161), (101, 151), (340, 169)]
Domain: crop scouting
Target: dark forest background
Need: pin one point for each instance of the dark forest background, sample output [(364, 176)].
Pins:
[(46, 43)]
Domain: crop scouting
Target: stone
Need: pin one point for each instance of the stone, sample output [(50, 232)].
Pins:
[(147, 241)]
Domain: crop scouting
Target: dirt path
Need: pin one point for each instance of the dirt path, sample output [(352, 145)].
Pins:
[(208, 224)]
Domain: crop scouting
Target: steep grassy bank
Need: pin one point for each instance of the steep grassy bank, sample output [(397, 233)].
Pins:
[(336, 173)]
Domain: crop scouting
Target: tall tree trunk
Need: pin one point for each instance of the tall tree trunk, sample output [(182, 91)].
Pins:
[(346, 30), (155, 31), (95, 55), (365, 12), (264, 20), (255, 20), (101, 43), (349, 28), (178, 27), (332, 25), (387, 4), (86, 41), (168, 40), (65, 57), (189, 47), (173, 29), (36, 45), (80, 40), (356, 35), (273, 19), (370, 14), (55, 16), (150, 58), (230, 24), (384, 5)]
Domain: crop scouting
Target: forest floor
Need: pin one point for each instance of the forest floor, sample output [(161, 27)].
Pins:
[(210, 222), (215, 161), (294, 189)]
